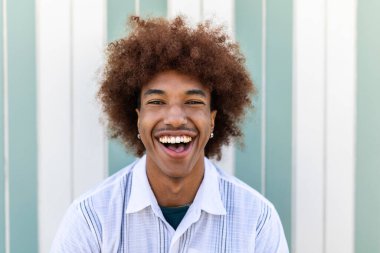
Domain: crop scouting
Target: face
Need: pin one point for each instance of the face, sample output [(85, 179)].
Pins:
[(175, 122)]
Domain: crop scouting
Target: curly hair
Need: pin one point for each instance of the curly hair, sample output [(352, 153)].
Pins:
[(156, 45)]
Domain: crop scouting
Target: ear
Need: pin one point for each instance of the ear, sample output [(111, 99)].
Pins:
[(213, 115)]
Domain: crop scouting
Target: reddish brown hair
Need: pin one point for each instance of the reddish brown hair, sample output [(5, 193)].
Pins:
[(155, 45)]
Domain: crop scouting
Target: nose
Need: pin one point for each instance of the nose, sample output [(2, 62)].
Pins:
[(175, 116)]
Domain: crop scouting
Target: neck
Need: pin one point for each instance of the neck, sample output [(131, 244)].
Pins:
[(175, 191)]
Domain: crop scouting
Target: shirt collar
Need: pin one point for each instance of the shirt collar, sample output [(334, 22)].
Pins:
[(141, 193), (208, 197)]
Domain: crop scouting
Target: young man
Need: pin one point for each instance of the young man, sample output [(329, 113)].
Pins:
[(174, 95)]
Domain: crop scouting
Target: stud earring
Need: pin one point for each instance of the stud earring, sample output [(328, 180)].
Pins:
[(211, 135), (138, 136)]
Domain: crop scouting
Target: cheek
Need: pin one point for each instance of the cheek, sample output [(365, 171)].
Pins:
[(198, 113), (203, 118), (147, 121)]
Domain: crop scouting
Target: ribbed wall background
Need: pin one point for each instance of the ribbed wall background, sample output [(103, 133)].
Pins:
[(367, 221), (312, 144), (19, 135), (2, 144)]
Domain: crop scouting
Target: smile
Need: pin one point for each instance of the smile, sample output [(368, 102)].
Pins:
[(175, 139), (176, 145)]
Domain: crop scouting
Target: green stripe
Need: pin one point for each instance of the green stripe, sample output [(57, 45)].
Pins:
[(118, 157), (248, 23), (22, 126), (2, 189), (151, 8), (118, 12), (117, 15), (279, 108), (367, 219)]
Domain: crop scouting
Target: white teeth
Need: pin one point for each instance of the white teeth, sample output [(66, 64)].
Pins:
[(175, 139)]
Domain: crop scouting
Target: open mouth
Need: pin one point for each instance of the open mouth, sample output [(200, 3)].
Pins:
[(177, 144)]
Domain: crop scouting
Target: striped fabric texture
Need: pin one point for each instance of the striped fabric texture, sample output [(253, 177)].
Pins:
[(122, 215)]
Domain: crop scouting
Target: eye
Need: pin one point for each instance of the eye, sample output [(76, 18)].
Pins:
[(195, 102), (155, 102)]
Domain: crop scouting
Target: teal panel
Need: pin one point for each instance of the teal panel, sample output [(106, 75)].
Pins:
[(279, 108), (22, 126), (151, 8), (248, 27), (118, 157), (2, 187), (118, 12), (367, 219)]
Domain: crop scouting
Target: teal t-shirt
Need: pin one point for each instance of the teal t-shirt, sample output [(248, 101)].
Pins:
[(174, 215)]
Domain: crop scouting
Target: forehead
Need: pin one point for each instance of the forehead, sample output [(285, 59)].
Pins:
[(174, 82)]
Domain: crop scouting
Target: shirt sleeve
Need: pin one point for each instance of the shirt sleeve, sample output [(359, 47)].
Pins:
[(76, 232), (270, 236)]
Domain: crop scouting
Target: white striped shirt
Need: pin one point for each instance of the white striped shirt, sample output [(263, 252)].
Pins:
[(122, 215)]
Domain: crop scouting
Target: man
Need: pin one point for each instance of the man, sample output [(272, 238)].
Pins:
[(174, 95)]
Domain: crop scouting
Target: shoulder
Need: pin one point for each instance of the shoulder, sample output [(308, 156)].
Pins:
[(253, 210), (241, 190), (84, 223), (109, 190), (243, 201), (104, 202)]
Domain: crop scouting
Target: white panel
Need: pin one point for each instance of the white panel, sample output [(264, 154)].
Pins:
[(227, 163), (189, 8), (89, 137), (222, 12), (308, 126), (340, 169), (54, 116)]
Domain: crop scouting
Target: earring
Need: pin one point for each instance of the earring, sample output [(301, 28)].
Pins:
[(211, 135), (138, 136)]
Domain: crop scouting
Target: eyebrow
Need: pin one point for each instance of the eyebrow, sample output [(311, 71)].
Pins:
[(161, 92), (196, 92), (153, 91)]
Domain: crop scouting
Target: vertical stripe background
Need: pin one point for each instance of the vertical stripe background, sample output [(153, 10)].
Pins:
[(55, 149), (367, 233), (340, 125), (249, 32), (324, 123), (2, 161), (72, 145), (308, 126), (87, 45), (311, 142), (278, 132), (22, 126)]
